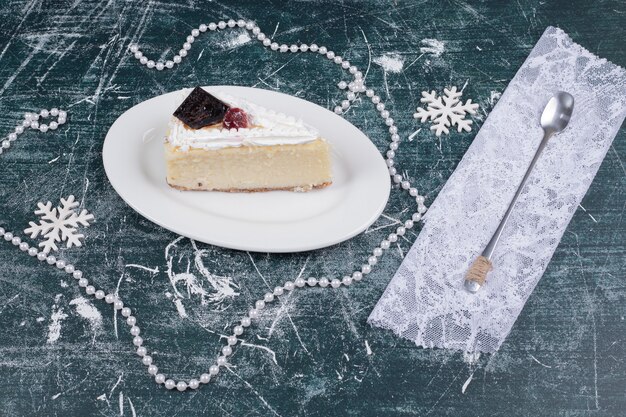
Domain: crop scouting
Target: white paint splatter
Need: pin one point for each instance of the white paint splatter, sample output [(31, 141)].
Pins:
[(432, 47), (494, 96), (471, 358), (368, 349), (180, 308), (57, 316), (86, 310), (235, 40), (40, 319), (390, 62)]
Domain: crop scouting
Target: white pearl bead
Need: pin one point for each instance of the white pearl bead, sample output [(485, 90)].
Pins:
[(357, 276), (406, 185), (137, 341), (15, 240), (260, 304), (181, 386), (90, 289), (256, 30), (304, 47), (283, 48), (143, 60), (385, 244), (19, 129), (413, 192), (12, 137), (322, 50), (268, 297), (330, 55), (420, 199), (42, 256), (135, 331), (409, 224), (342, 85), (110, 298), (186, 46), (246, 322), (421, 209), (375, 99), (274, 46), (312, 282), (53, 126), (397, 178), (126, 311), (338, 110), (24, 246), (34, 125), (300, 282), (227, 351), (138, 55), (194, 384), (335, 283), (232, 340), (391, 154), (253, 314), (60, 264), (212, 26), (43, 128), (159, 378), (372, 260), (241, 23), (416, 217), (366, 269), (238, 330), (392, 171), (221, 361), (99, 294), (202, 28), (26, 123), (378, 252), (32, 251), (214, 370), (389, 121), (34, 116), (195, 32), (313, 47), (380, 107), (54, 112), (390, 162), (131, 320), (392, 237), (51, 260), (351, 96), (69, 268), (133, 48), (169, 64), (170, 384), (393, 129), (61, 120), (289, 286), (345, 104), (324, 282), (177, 59), (294, 48), (83, 282), (395, 137), (146, 360), (261, 36), (384, 113), (337, 60), (221, 24), (231, 23), (266, 42), (345, 64), (182, 53), (278, 291), (400, 231), (353, 70), (152, 369), (150, 64), (369, 93), (346, 280), (205, 378)]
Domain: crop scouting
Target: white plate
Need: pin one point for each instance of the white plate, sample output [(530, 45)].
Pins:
[(277, 221)]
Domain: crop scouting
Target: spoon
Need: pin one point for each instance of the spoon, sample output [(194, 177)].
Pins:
[(554, 119)]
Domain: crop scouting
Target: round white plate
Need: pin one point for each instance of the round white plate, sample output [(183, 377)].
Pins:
[(277, 221)]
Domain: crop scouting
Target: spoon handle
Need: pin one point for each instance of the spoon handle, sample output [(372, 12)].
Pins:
[(488, 251)]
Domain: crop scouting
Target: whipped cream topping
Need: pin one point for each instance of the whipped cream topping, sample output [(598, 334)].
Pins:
[(267, 128)]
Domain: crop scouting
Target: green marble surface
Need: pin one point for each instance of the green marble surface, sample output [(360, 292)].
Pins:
[(312, 354)]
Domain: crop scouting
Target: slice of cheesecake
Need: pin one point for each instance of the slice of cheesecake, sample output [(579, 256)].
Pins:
[(216, 142)]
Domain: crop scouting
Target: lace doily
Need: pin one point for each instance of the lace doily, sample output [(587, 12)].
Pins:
[(425, 302)]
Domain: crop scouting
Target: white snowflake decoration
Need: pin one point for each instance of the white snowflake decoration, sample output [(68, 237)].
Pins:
[(446, 111), (59, 224)]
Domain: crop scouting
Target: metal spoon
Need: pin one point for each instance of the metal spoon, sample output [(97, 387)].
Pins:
[(554, 119)]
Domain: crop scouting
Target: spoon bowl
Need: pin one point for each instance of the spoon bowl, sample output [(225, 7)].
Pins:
[(558, 112)]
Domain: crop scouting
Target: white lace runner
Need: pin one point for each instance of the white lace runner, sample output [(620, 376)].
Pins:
[(425, 302)]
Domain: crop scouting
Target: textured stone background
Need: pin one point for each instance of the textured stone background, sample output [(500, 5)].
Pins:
[(312, 353)]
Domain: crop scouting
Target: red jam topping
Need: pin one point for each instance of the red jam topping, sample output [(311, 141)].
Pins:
[(235, 118)]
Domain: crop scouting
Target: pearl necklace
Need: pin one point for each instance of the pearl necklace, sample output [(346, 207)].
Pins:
[(355, 87)]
